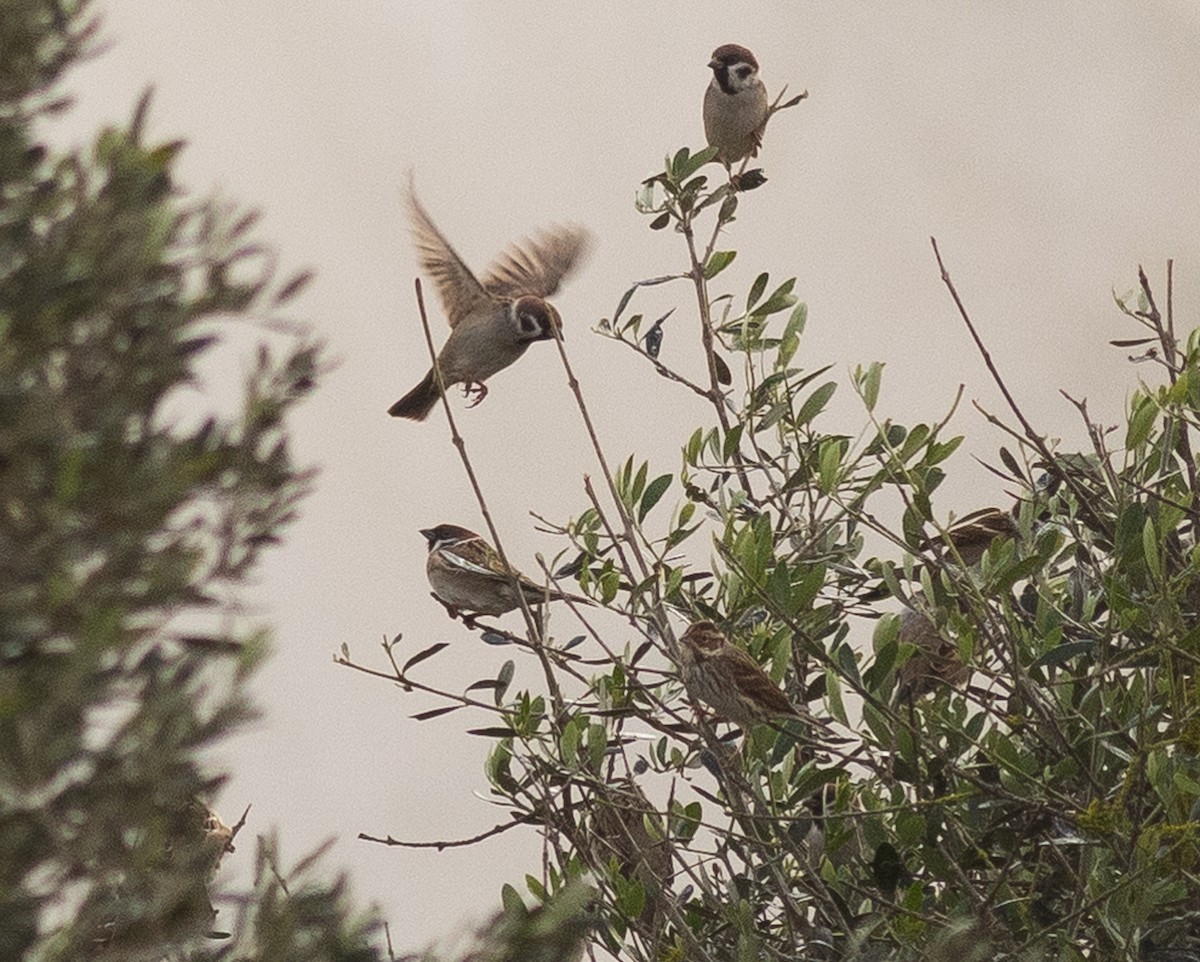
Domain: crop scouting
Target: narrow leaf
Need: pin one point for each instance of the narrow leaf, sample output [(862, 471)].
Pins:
[(420, 656), (434, 712), (717, 263), (654, 492)]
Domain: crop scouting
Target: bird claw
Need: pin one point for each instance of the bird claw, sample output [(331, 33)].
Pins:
[(476, 390)]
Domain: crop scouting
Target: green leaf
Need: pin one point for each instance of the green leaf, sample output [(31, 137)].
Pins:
[(870, 384), (1010, 462), (536, 889), (1064, 652), (756, 290), (815, 403), (717, 263), (781, 299), (1141, 420), (597, 744), (654, 492), (504, 679), (732, 440), (1150, 549), (830, 459), (610, 583), (773, 415), (639, 483), (833, 696), (435, 712), (686, 164), (420, 656), (513, 903)]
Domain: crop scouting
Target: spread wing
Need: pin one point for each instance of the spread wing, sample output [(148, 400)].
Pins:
[(458, 288), (539, 265)]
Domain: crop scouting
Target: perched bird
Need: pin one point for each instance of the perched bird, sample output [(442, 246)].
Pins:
[(618, 830), (178, 908), (728, 680), (974, 534), (936, 661), (467, 575), (493, 321), (735, 105)]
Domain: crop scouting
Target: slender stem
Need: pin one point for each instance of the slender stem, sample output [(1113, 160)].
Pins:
[(1036, 440), (708, 341), (631, 535), (441, 845)]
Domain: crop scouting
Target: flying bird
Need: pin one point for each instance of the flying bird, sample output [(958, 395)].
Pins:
[(494, 320)]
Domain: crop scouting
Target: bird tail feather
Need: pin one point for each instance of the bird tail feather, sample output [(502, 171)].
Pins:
[(418, 402)]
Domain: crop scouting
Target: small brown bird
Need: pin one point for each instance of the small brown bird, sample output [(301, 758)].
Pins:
[(618, 830), (935, 661), (493, 321), (728, 680), (467, 575), (974, 534), (735, 105)]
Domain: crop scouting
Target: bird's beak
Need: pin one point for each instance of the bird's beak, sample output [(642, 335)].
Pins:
[(714, 64), (427, 533)]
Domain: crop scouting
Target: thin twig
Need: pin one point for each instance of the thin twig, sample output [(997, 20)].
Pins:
[(1031, 435), (441, 845), (631, 537)]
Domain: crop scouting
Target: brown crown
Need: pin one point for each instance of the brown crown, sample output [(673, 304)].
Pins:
[(446, 532), (729, 54), (704, 636)]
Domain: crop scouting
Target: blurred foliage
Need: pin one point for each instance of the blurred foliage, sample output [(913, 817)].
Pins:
[(128, 526), (1036, 796)]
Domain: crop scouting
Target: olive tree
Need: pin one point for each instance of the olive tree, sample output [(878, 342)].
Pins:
[(997, 754)]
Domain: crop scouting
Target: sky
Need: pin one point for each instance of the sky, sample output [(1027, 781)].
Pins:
[(1050, 148)]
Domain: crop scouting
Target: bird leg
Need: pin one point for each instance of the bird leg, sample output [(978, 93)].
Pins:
[(476, 390), (450, 609)]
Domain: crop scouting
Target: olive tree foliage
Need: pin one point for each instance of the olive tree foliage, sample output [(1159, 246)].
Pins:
[(128, 526), (1047, 809)]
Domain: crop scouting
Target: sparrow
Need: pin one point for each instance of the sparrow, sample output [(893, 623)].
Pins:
[(728, 680), (179, 909), (467, 575), (935, 661), (973, 535), (494, 320), (735, 105), (618, 830)]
